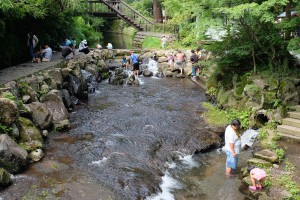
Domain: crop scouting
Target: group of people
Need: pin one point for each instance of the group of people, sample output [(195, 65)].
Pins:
[(45, 53), (232, 150), (132, 59)]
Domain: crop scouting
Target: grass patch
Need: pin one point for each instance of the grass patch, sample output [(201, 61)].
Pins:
[(218, 117), (151, 43), (214, 115)]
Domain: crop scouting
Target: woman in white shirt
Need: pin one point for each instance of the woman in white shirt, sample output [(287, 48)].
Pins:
[(232, 145)]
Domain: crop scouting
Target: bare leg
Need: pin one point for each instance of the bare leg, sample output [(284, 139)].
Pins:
[(252, 181), (228, 170)]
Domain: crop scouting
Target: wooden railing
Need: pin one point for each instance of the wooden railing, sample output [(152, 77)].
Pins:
[(130, 15)]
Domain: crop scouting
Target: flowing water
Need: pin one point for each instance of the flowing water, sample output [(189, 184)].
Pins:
[(131, 142)]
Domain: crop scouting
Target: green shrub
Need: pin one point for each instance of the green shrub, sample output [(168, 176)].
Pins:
[(5, 129), (217, 116), (280, 154)]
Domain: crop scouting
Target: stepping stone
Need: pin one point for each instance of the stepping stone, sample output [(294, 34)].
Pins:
[(267, 155), (259, 162)]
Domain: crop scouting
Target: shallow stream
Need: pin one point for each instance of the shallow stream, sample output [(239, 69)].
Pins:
[(117, 149)]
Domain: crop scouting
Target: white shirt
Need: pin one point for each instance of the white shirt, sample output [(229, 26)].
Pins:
[(47, 53), (81, 46), (231, 137)]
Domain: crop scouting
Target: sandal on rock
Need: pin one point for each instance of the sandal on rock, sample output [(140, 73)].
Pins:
[(259, 187), (252, 188)]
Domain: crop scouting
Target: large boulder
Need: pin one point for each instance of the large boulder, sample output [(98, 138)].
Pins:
[(8, 111), (12, 157), (147, 73), (13, 88), (56, 75), (28, 131), (41, 116), (55, 105), (288, 92)]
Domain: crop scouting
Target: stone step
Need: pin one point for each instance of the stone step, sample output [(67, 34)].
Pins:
[(289, 130), (258, 162), (295, 115), (291, 122), (285, 136), (296, 108)]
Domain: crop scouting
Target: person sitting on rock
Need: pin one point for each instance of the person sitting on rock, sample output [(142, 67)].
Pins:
[(109, 46), (45, 54), (125, 63), (83, 47), (66, 51)]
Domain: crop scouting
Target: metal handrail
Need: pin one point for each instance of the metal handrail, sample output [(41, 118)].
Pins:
[(130, 15)]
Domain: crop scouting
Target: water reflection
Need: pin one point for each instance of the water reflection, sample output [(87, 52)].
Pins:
[(118, 40)]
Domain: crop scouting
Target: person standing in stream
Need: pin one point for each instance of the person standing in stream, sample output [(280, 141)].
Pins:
[(232, 145)]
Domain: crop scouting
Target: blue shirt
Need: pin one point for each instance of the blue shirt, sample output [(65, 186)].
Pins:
[(67, 43), (134, 57)]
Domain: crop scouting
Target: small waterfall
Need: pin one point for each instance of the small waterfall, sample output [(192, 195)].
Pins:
[(90, 80), (152, 66), (167, 186), (168, 182), (248, 137)]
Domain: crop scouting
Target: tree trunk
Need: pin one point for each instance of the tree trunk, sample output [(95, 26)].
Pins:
[(288, 16), (157, 12)]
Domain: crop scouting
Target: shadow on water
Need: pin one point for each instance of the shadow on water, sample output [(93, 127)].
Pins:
[(124, 145)]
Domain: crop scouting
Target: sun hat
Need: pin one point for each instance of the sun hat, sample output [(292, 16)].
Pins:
[(84, 41)]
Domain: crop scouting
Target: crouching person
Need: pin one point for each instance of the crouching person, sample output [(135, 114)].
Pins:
[(257, 177)]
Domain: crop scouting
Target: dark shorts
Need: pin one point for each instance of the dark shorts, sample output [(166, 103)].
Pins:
[(136, 66)]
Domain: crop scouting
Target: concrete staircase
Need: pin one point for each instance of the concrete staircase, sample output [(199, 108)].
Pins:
[(141, 35), (290, 128)]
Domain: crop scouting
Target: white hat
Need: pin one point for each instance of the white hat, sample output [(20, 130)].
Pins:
[(84, 41)]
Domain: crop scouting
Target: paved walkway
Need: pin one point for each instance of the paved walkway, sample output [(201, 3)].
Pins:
[(25, 69)]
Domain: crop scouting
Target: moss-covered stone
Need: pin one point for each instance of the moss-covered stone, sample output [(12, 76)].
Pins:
[(8, 111), (224, 98), (270, 97), (28, 131), (238, 90), (5, 179), (259, 162), (252, 90)]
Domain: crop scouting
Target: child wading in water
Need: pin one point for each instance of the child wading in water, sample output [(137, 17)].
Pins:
[(256, 175)]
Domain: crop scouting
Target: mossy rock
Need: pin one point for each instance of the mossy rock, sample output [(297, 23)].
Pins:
[(246, 180), (267, 155), (223, 100), (259, 162), (212, 82), (252, 90), (105, 75), (31, 146), (28, 131), (5, 179), (273, 84), (238, 89), (270, 97)]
